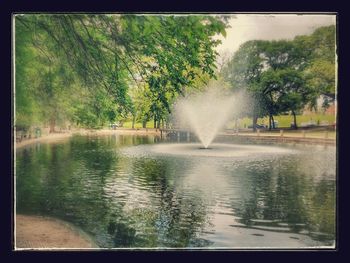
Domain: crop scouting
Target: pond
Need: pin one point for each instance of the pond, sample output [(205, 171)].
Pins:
[(129, 191)]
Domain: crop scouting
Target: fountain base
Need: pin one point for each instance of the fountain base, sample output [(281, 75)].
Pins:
[(215, 150)]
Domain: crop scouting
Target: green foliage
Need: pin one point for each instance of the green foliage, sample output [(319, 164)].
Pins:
[(320, 71), (285, 90), (282, 76), (25, 103), (103, 54), (245, 66)]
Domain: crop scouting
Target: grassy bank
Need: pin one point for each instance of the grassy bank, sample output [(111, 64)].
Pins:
[(283, 121), (320, 134), (286, 120)]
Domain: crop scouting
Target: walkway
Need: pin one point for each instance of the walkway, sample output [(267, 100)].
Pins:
[(36, 232)]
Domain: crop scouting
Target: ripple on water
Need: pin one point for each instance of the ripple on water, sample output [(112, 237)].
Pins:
[(177, 194), (196, 150)]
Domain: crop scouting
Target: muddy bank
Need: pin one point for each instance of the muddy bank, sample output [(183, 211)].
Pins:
[(37, 232)]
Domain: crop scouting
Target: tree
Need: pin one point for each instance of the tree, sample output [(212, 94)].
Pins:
[(24, 100), (285, 90), (269, 89), (243, 72), (180, 50), (273, 72), (106, 52), (282, 81), (320, 71)]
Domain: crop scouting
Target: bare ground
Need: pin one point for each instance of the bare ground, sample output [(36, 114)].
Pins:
[(36, 232)]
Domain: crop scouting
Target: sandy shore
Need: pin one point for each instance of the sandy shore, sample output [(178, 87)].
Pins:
[(36, 232)]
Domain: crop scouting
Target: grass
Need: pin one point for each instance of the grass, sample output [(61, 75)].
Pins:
[(138, 125), (300, 133), (286, 120), (283, 121)]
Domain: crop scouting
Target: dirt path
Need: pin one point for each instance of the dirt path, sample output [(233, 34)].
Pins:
[(34, 232)]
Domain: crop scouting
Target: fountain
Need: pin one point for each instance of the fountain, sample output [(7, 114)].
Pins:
[(205, 114), (140, 189)]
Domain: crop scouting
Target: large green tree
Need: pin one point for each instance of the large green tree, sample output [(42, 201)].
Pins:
[(106, 52), (284, 75), (243, 72), (321, 69), (282, 80), (285, 90), (24, 100)]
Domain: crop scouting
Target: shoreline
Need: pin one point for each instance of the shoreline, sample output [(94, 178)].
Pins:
[(297, 137), (63, 135), (41, 232)]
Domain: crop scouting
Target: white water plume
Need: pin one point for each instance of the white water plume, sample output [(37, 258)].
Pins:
[(205, 113)]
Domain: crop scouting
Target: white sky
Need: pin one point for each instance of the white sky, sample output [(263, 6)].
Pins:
[(246, 27)]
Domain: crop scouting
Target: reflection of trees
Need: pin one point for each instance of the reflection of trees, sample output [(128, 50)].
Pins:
[(66, 181), (283, 194), (128, 140), (71, 181), (321, 213), (28, 180), (41, 174), (178, 216)]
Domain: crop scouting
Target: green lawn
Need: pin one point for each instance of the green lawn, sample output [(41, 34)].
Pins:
[(138, 125), (286, 120), (298, 133), (283, 121)]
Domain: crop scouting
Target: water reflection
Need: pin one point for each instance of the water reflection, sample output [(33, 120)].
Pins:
[(174, 201), (282, 200)]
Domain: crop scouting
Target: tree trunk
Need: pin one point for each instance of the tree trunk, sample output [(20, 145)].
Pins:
[(270, 122), (144, 124), (52, 125), (255, 121), (155, 122), (273, 122), (295, 120), (133, 121)]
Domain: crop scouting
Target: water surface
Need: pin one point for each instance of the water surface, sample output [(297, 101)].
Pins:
[(132, 191)]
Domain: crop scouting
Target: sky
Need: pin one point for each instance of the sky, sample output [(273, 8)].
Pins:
[(246, 27)]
